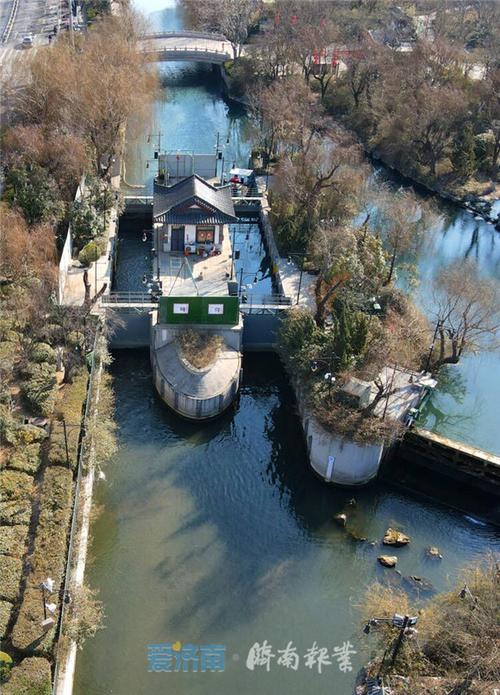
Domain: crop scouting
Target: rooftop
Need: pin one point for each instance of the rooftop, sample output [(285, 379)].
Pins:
[(193, 201)]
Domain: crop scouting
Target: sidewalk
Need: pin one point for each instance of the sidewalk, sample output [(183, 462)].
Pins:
[(99, 273)]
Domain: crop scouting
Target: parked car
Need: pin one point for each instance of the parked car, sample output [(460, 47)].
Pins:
[(27, 41)]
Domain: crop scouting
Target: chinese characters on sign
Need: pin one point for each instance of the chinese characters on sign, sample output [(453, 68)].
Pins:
[(181, 308), (175, 657), (314, 658), (193, 658)]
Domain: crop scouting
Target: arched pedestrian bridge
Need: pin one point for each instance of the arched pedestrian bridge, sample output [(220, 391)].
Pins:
[(189, 46)]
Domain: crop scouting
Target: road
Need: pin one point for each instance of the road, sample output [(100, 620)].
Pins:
[(36, 17)]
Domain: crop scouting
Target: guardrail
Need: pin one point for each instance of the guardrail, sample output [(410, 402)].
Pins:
[(129, 298), (10, 21), (206, 52), (264, 299), (184, 34)]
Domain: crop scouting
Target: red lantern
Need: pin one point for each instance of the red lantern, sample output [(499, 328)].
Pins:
[(293, 19), (277, 18)]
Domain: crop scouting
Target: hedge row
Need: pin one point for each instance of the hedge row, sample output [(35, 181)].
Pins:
[(17, 491), (13, 540), (31, 677), (25, 458), (47, 560), (70, 407), (40, 388), (5, 611), (11, 569)]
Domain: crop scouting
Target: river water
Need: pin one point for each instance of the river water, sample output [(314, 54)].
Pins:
[(219, 534)]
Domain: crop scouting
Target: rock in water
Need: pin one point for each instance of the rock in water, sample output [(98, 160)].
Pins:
[(340, 519), (434, 552), (388, 560), (395, 538)]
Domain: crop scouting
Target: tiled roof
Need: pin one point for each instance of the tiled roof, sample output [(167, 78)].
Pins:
[(191, 191)]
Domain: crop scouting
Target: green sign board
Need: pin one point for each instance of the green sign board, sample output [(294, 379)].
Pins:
[(204, 310)]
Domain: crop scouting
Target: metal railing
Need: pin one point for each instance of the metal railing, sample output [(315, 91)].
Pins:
[(185, 50), (84, 451), (128, 298), (184, 34), (250, 299)]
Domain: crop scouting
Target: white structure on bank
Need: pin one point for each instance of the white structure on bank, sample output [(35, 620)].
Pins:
[(346, 462)]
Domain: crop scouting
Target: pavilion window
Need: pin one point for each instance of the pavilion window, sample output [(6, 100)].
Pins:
[(205, 234)]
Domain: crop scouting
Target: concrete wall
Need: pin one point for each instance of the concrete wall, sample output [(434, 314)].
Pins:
[(260, 331), (189, 407), (190, 236), (67, 251), (338, 461), (132, 328), (165, 333)]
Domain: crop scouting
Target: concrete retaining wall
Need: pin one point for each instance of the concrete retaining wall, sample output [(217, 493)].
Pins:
[(335, 460)]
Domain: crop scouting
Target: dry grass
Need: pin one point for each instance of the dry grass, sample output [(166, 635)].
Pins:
[(349, 423), (199, 349), (31, 677)]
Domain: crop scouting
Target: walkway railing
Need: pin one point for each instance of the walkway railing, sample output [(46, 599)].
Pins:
[(185, 51), (129, 298), (184, 34)]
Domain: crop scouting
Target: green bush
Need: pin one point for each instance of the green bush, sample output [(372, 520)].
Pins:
[(48, 559), (15, 485), (92, 251), (7, 355), (5, 611), (24, 458), (31, 677), (17, 490), (11, 569), (7, 426), (28, 434), (13, 540), (86, 224), (40, 389), (15, 512), (43, 352)]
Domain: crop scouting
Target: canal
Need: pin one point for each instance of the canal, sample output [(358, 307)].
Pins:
[(219, 533)]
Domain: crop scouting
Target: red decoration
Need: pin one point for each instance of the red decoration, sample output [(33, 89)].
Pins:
[(277, 18), (293, 19)]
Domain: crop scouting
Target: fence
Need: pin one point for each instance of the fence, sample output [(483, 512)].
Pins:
[(183, 34), (84, 453), (129, 298)]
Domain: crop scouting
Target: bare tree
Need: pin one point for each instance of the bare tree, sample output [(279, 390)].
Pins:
[(467, 312), (232, 18)]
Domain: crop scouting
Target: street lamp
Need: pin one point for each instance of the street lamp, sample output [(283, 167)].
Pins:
[(328, 376), (65, 430), (255, 280)]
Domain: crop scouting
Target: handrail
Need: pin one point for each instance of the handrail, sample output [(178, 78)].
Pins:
[(186, 49), (128, 298), (181, 34)]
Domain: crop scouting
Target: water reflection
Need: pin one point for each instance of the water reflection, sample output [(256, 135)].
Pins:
[(220, 533)]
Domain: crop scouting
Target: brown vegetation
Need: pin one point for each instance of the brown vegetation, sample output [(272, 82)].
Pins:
[(199, 349)]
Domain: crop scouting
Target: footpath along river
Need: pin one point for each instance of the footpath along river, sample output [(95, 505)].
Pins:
[(219, 533)]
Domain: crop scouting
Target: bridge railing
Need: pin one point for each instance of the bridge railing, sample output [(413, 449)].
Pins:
[(187, 51), (184, 34)]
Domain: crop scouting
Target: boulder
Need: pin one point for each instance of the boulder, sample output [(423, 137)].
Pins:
[(433, 552), (388, 560), (340, 519), (395, 538), (418, 583)]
